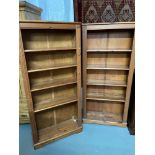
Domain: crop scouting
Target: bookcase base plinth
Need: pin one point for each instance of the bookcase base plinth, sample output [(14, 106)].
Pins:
[(89, 121)]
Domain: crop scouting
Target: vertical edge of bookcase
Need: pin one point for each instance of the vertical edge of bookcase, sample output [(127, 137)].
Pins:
[(129, 84), (22, 62), (78, 53), (84, 57)]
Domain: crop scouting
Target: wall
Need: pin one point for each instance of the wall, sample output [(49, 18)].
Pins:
[(55, 10)]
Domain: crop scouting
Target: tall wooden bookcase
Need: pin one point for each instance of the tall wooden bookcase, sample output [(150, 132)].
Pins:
[(50, 57), (108, 65), (50, 60)]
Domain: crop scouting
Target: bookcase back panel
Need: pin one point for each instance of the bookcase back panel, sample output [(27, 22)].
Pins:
[(106, 92), (46, 39), (44, 60), (105, 111), (105, 107), (104, 117), (53, 96), (53, 121), (52, 77), (45, 119), (108, 59), (66, 112), (110, 39), (107, 76), (122, 59)]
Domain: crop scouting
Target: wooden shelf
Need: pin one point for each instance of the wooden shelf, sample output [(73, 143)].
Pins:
[(51, 49), (106, 83), (109, 50), (105, 117), (102, 67), (49, 85), (98, 98), (51, 68), (44, 105), (53, 132)]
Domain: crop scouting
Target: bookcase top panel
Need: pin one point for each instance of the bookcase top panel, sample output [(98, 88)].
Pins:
[(108, 26), (44, 21), (33, 24)]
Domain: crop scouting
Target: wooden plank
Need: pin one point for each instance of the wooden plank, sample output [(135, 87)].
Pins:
[(84, 56), (110, 26), (104, 123), (53, 86), (55, 105), (104, 99), (107, 23), (129, 85), (50, 49), (109, 50), (102, 67), (78, 53), (27, 88), (52, 68), (47, 25), (49, 22), (104, 83)]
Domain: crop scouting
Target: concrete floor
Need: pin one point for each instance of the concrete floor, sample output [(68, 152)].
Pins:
[(94, 140)]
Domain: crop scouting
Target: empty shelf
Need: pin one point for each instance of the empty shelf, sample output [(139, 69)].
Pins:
[(51, 68), (53, 84), (106, 83), (109, 50), (48, 104), (103, 67), (99, 98), (50, 49)]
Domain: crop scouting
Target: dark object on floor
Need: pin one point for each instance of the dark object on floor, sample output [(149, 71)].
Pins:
[(131, 116)]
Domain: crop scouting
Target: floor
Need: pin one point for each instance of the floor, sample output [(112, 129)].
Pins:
[(94, 140)]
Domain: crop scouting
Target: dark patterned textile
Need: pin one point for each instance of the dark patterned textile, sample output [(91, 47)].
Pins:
[(100, 11)]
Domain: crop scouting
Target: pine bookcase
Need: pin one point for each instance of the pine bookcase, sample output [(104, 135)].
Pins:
[(50, 57), (50, 60), (108, 65)]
